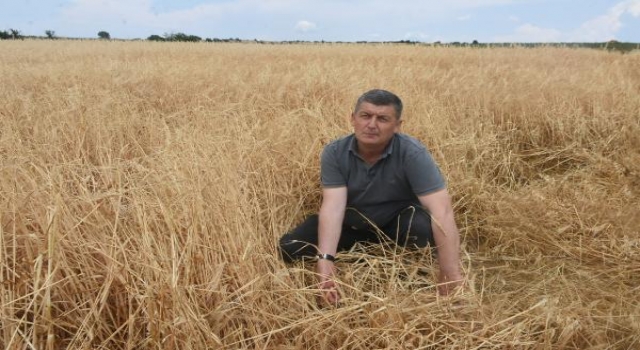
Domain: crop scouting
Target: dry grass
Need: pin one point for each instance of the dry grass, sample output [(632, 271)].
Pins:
[(144, 187)]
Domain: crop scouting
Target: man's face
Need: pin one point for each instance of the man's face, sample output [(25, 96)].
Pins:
[(375, 125)]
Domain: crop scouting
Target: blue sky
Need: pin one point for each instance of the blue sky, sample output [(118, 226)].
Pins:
[(334, 20)]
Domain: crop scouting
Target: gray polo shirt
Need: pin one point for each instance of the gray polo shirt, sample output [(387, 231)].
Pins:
[(380, 191)]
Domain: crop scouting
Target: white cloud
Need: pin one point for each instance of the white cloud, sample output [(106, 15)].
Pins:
[(605, 27), (143, 13), (140, 12), (106, 8), (514, 18), (419, 36), (601, 28), (305, 26), (634, 8), (464, 18), (629, 6), (530, 33)]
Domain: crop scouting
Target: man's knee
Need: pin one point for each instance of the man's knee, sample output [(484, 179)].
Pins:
[(301, 241), (292, 248), (416, 224), (288, 248)]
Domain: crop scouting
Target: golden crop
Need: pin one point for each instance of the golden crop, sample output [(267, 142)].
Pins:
[(144, 187)]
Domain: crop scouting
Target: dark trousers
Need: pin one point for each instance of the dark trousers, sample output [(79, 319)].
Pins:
[(410, 228)]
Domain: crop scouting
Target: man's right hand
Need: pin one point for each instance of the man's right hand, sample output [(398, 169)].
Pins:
[(330, 218), (448, 283), (326, 272)]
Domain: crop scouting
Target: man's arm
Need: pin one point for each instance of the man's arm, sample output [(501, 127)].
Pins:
[(334, 202), (447, 238)]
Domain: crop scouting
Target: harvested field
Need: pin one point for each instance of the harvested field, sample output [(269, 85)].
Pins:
[(144, 187)]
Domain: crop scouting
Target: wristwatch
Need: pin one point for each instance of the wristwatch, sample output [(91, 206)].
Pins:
[(326, 257)]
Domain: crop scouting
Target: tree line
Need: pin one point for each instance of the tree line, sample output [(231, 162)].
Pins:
[(176, 37), (49, 34), (612, 45)]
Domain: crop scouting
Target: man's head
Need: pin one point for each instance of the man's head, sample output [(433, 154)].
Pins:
[(380, 97), (376, 119)]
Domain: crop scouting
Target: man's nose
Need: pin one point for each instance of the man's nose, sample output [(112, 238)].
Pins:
[(372, 122)]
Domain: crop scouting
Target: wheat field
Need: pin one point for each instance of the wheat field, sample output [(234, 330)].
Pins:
[(144, 187)]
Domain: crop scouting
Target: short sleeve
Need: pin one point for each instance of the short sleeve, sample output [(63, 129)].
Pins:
[(423, 173), (330, 174)]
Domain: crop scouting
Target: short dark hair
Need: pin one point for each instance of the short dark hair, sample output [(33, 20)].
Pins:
[(380, 97)]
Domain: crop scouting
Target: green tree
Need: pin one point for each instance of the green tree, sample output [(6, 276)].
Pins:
[(155, 37), (50, 34), (4, 35), (182, 37), (15, 34), (104, 35)]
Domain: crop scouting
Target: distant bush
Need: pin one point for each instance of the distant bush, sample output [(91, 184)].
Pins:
[(175, 37), (182, 37), (14, 34), (155, 37)]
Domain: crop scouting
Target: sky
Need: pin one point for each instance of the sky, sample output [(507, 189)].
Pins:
[(333, 20)]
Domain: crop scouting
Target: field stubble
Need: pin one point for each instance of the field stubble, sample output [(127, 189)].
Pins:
[(144, 187)]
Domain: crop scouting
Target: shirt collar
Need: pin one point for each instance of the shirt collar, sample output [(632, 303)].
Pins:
[(389, 149)]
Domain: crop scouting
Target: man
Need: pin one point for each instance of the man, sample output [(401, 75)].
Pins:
[(378, 176)]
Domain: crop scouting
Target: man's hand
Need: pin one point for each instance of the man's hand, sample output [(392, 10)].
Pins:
[(326, 272), (449, 283)]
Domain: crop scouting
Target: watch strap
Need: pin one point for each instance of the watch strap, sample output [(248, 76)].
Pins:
[(326, 257)]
